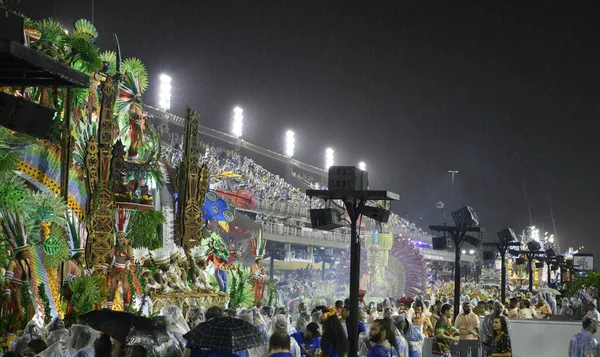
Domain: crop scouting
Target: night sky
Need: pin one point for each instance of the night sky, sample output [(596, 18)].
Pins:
[(504, 92)]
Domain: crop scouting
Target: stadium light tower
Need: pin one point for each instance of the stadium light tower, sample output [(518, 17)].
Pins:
[(164, 93), (362, 166), (328, 158), (238, 122), (290, 143)]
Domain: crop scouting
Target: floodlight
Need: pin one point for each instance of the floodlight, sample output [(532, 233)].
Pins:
[(238, 122), (290, 143)]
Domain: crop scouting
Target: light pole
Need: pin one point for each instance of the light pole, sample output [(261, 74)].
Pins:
[(452, 172), (290, 143), (164, 92), (238, 122), (328, 158)]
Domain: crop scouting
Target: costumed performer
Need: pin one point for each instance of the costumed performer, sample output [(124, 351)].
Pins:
[(18, 274), (259, 275), (219, 255), (118, 260), (73, 268)]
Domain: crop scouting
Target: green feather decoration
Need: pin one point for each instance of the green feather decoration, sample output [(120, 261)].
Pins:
[(110, 58), (85, 28), (137, 76), (42, 207)]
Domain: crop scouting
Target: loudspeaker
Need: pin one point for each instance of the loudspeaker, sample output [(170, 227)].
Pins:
[(507, 235), (520, 261), (24, 116), (539, 265), (475, 242), (489, 255), (440, 243), (347, 178), (465, 217), (377, 213), (326, 219)]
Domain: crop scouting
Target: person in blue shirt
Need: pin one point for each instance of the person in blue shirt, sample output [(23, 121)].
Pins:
[(346, 318), (384, 337), (309, 339)]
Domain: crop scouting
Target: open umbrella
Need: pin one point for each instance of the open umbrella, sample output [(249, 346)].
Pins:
[(225, 334), (550, 291), (119, 325)]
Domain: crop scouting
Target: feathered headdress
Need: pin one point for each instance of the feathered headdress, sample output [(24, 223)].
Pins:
[(77, 234), (406, 300), (181, 257), (161, 255), (13, 228), (122, 219), (140, 254), (258, 244), (198, 252)]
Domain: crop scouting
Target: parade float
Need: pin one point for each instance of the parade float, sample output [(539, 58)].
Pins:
[(91, 213)]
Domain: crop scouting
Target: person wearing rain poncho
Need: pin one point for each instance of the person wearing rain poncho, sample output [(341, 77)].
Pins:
[(279, 324), (414, 337), (584, 344), (566, 309), (195, 317), (248, 316), (175, 323), (400, 323), (81, 337)]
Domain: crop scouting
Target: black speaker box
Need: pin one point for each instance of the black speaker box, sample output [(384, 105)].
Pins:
[(24, 116), (489, 255), (440, 243)]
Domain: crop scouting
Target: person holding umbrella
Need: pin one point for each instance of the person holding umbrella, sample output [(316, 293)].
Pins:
[(223, 337)]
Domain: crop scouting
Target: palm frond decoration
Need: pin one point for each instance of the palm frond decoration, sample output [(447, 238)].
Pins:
[(85, 28), (83, 133), (9, 160), (110, 59), (137, 75), (43, 207), (87, 291), (12, 190), (52, 38), (84, 55)]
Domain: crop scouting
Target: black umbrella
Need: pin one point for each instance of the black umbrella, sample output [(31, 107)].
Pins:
[(119, 325), (225, 334)]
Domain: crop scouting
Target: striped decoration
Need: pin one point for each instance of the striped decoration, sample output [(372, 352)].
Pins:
[(40, 275), (41, 163)]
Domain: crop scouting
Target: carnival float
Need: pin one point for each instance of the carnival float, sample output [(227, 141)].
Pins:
[(82, 204)]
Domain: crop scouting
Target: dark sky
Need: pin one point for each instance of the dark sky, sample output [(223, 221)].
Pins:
[(412, 88)]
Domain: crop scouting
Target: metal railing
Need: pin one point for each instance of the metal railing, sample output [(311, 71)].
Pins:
[(283, 207), (294, 231)]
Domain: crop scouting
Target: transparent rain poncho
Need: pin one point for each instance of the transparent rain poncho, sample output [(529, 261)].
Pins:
[(259, 351), (54, 350), (34, 331), (84, 352), (61, 336), (80, 337), (57, 323), (280, 324), (176, 323), (303, 320), (195, 317)]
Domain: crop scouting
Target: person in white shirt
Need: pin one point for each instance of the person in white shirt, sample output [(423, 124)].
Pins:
[(592, 311), (526, 312)]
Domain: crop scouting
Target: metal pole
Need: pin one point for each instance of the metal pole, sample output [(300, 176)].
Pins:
[(503, 281), (530, 260), (272, 265), (457, 244), (353, 210), (548, 265)]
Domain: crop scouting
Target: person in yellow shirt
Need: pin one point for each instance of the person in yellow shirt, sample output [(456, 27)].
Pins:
[(468, 323)]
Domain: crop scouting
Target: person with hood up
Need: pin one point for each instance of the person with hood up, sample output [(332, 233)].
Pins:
[(414, 337), (81, 337), (279, 324), (175, 322), (584, 344), (400, 323)]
